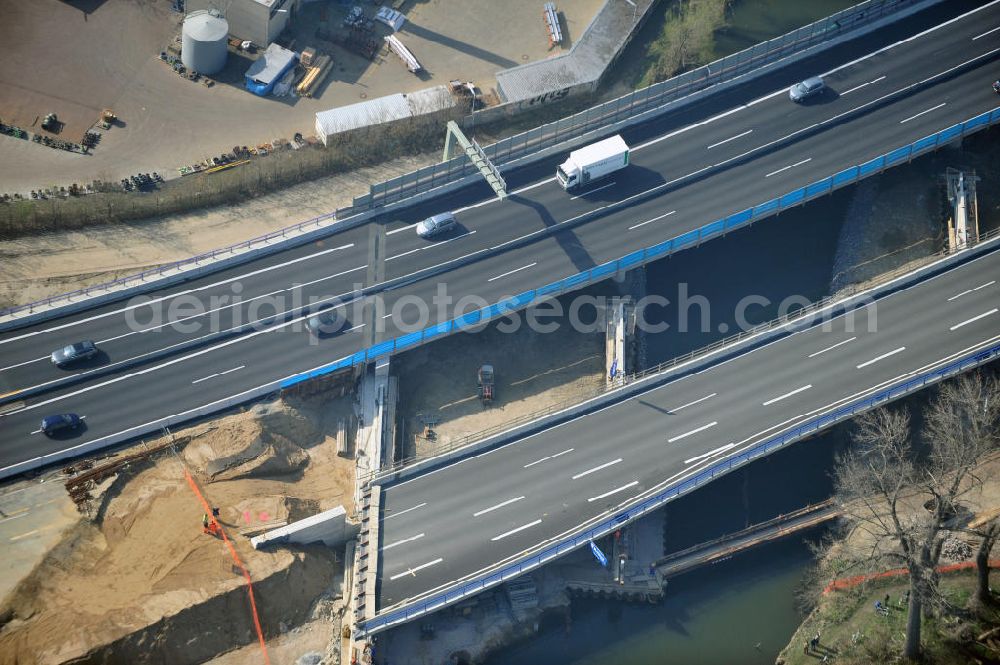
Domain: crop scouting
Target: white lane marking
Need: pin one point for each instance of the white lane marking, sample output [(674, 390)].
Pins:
[(988, 32), (881, 357), (403, 512), (323, 279), (614, 491), (858, 87), (591, 191), (933, 108), (432, 246), (959, 295), (24, 535), (499, 505), (790, 166), (180, 293), (513, 531), (731, 138), (692, 432), (650, 221), (401, 542), (830, 348), (405, 228), (786, 395), (596, 468), (697, 401), (212, 376), (548, 457), (511, 272), (973, 319), (710, 453), (14, 517), (983, 286), (411, 571)]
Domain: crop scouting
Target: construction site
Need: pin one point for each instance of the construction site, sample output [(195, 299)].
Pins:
[(159, 560)]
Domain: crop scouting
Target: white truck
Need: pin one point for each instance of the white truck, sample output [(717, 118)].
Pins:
[(593, 162)]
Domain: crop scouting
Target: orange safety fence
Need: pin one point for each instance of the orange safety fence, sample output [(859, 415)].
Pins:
[(849, 582), (236, 560)]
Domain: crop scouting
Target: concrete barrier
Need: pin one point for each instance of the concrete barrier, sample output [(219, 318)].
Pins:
[(329, 527)]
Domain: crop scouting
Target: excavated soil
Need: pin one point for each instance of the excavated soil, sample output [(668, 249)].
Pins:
[(142, 583)]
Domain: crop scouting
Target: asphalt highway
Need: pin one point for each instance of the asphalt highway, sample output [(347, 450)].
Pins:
[(463, 520), (688, 168)]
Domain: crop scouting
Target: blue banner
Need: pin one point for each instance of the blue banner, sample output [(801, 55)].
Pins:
[(598, 554)]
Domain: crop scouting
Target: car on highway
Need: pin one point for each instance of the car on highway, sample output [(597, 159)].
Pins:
[(73, 353), (59, 422), (996, 86), (803, 90), (436, 225), (325, 322)]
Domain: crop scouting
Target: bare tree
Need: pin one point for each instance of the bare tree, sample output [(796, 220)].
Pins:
[(903, 499), (963, 420)]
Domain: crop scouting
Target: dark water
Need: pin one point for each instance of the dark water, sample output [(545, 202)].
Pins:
[(755, 21)]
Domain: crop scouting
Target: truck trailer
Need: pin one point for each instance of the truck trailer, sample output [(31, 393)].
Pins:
[(593, 162)]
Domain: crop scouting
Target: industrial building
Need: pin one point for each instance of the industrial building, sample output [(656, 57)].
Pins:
[(382, 110), (268, 69), (258, 21)]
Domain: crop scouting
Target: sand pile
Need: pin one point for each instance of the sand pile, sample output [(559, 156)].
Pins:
[(142, 583)]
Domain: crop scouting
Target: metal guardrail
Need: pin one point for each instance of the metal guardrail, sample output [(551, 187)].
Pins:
[(636, 103), (687, 240), (160, 271), (644, 506)]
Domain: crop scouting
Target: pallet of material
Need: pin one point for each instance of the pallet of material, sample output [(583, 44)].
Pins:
[(404, 54), (551, 17), (314, 76)]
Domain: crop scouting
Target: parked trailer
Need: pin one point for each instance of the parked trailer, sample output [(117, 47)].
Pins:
[(593, 162)]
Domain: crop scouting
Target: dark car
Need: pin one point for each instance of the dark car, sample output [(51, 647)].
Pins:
[(72, 353), (996, 87), (325, 322), (806, 89), (59, 422)]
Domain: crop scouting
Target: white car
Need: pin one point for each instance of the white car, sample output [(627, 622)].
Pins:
[(436, 225)]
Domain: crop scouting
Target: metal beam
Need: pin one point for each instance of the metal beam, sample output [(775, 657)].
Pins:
[(477, 156)]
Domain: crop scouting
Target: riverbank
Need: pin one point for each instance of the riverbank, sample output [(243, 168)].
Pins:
[(853, 632)]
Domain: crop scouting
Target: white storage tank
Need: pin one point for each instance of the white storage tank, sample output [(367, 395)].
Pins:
[(203, 41)]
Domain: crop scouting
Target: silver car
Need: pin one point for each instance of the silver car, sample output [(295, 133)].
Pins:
[(436, 225), (806, 89), (72, 353)]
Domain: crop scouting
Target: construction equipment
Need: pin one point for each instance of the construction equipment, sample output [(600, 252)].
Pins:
[(486, 380), (50, 122)]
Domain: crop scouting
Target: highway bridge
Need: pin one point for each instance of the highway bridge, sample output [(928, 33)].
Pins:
[(454, 530), (183, 351)]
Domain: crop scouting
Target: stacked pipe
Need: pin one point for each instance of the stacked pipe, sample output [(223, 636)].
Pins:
[(552, 23), (314, 76)]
